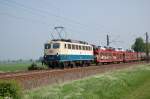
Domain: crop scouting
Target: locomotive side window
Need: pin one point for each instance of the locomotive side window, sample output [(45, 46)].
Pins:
[(86, 47), (56, 45), (77, 47), (69, 46), (90, 48), (73, 46), (83, 47)]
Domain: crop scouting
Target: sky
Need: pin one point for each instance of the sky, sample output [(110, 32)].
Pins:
[(25, 25)]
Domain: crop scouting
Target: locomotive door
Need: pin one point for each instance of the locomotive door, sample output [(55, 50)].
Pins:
[(65, 52)]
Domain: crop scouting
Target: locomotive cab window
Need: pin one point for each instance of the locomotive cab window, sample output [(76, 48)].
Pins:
[(47, 46), (56, 45)]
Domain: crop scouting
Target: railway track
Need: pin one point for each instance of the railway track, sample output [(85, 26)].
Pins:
[(32, 79)]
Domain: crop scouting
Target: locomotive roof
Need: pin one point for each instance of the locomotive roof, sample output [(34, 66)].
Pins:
[(70, 40)]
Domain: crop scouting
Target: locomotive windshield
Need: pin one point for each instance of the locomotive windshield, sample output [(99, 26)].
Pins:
[(56, 45), (52, 45), (47, 46)]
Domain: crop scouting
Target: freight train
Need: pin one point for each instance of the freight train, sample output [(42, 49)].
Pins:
[(63, 53)]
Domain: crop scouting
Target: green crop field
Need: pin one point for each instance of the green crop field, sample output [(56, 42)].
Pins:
[(13, 67), (131, 83)]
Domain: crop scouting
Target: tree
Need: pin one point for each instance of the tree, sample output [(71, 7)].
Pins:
[(139, 45)]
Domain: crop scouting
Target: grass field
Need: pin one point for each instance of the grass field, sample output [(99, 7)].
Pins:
[(131, 83), (13, 67)]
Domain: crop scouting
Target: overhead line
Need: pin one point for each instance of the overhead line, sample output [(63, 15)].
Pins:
[(29, 10), (48, 13), (25, 19), (33, 20)]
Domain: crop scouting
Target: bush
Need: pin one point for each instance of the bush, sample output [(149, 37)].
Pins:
[(35, 67), (10, 90), (32, 67)]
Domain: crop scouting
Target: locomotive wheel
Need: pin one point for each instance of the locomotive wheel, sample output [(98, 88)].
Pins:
[(88, 64), (66, 64), (62, 65), (72, 64)]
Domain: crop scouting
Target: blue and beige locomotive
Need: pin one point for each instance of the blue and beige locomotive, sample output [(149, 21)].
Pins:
[(67, 53)]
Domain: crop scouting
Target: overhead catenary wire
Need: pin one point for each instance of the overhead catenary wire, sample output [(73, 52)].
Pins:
[(39, 21), (25, 19), (49, 13), (34, 21), (33, 12), (44, 13), (80, 29)]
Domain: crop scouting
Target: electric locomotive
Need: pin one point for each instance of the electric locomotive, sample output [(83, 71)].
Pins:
[(66, 52)]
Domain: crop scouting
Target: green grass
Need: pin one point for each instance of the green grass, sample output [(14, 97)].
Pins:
[(131, 83), (13, 67)]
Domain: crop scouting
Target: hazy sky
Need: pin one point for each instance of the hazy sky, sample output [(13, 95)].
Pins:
[(25, 25)]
